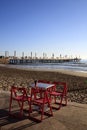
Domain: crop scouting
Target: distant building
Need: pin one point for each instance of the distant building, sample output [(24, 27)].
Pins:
[(6, 54), (14, 53)]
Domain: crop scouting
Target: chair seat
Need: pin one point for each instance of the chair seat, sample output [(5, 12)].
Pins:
[(20, 98), (40, 101), (55, 93)]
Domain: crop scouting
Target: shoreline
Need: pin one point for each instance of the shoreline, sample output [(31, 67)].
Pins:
[(63, 71)]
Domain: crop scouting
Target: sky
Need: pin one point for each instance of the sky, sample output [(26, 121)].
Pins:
[(44, 26)]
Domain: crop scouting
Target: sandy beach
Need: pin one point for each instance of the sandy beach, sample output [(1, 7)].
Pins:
[(76, 82)]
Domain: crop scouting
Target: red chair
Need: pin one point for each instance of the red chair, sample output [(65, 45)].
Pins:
[(40, 98), (59, 92), (19, 95)]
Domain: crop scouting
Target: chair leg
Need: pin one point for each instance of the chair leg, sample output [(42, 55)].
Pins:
[(30, 109), (42, 112), (66, 100), (55, 99), (60, 104), (19, 104), (65, 104), (50, 108), (21, 109), (10, 105)]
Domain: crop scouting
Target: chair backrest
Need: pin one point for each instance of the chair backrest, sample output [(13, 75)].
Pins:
[(34, 92), (38, 93), (18, 91), (61, 87), (43, 81), (40, 81)]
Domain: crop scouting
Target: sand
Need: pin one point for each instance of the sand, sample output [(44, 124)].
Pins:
[(76, 82)]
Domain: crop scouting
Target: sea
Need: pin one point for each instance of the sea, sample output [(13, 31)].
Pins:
[(80, 66)]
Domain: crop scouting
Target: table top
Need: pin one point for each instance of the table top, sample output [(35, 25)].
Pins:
[(42, 85)]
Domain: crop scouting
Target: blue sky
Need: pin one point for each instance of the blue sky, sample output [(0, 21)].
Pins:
[(49, 26)]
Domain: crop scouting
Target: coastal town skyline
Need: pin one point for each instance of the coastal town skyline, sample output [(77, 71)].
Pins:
[(34, 55), (56, 27)]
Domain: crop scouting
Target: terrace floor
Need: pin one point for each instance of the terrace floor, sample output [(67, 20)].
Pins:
[(71, 117)]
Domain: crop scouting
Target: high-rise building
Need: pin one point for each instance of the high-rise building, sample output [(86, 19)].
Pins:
[(23, 54), (6, 54), (31, 55), (14, 53)]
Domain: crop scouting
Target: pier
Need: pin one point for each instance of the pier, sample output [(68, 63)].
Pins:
[(37, 61), (33, 59)]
